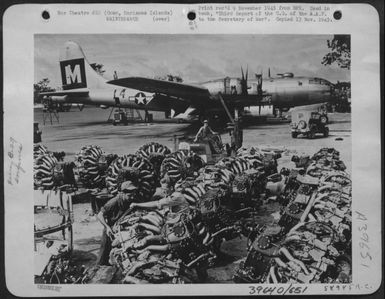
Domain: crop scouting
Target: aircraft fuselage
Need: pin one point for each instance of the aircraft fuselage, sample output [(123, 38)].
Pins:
[(111, 96), (281, 92)]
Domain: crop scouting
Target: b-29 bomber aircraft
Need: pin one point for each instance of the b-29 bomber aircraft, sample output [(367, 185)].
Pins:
[(81, 84)]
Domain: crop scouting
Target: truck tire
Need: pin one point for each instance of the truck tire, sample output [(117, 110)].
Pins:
[(294, 134), (324, 119)]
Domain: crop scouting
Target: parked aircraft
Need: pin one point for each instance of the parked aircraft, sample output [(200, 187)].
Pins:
[(81, 84)]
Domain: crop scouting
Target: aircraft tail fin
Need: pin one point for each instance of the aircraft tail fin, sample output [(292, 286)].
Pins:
[(76, 71)]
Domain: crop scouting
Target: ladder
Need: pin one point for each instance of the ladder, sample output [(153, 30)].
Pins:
[(48, 113)]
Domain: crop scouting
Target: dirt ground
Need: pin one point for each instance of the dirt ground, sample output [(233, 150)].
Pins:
[(78, 128)]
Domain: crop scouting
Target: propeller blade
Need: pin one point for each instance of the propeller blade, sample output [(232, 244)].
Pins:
[(243, 76), (247, 72)]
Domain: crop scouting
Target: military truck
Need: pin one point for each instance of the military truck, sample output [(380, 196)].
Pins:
[(308, 124)]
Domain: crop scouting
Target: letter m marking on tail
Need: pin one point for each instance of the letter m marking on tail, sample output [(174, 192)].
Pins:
[(73, 74)]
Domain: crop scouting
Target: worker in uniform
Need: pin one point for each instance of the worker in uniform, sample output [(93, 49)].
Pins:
[(206, 134), (175, 202), (110, 213)]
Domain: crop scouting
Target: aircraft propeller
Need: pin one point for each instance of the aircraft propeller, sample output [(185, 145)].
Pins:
[(244, 86)]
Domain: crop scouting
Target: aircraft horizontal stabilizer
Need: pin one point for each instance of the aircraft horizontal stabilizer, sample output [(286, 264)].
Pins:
[(77, 93), (162, 87)]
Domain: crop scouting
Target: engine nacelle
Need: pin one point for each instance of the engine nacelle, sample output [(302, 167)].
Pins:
[(225, 86)]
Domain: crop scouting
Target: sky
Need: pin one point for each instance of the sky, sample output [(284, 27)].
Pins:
[(196, 58)]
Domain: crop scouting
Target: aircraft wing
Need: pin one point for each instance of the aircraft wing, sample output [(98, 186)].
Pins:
[(241, 100), (78, 93), (169, 88)]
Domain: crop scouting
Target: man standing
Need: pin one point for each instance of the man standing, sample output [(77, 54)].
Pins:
[(110, 213)]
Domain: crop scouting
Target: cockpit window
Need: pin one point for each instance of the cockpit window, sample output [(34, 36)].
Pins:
[(313, 81)]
